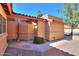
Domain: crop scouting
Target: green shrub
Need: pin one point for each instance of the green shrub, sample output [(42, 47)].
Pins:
[(38, 40)]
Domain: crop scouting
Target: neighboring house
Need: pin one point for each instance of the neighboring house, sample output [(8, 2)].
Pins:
[(55, 27), (76, 30), (67, 29)]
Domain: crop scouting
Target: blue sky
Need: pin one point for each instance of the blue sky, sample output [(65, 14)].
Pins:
[(32, 8)]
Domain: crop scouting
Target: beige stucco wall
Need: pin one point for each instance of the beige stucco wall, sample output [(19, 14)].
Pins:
[(3, 36), (3, 43), (67, 30), (47, 30), (51, 32), (56, 30), (2, 12), (76, 34), (76, 30), (55, 27), (41, 29)]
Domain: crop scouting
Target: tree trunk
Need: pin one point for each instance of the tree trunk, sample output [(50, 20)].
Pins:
[(72, 31)]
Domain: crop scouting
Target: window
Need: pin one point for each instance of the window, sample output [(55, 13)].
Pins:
[(2, 25)]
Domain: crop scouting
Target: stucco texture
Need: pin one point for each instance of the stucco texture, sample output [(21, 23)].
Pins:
[(3, 43), (41, 29), (3, 36), (56, 30)]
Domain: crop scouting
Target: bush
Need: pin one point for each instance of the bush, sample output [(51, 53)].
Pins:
[(38, 40)]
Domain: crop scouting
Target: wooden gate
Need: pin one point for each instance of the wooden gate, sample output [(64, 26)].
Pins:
[(26, 31), (12, 30), (21, 31)]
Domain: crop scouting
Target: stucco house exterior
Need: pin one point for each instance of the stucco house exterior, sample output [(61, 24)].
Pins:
[(67, 29), (24, 27), (3, 30), (47, 25), (47, 28), (55, 27)]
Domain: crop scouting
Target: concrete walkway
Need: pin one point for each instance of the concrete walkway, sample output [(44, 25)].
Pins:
[(71, 46), (27, 48)]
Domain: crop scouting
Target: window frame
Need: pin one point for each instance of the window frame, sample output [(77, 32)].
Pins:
[(3, 23)]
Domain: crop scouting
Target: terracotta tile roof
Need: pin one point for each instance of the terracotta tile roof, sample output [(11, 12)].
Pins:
[(29, 17), (4, 5), (9, 11), (48, 16)]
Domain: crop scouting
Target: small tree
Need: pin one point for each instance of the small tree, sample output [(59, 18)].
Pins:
[(39, 13), (72, 15), (71, 12)]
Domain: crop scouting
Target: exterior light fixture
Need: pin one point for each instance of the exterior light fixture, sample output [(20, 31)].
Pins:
[(36, 26), (34, 23)]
